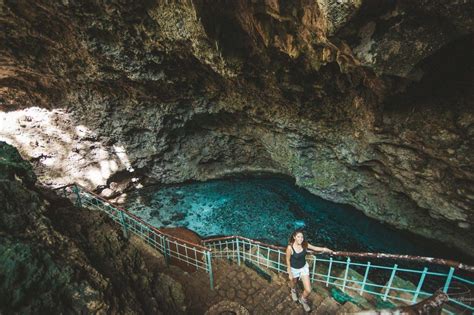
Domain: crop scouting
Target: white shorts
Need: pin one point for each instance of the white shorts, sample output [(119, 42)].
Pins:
[(297, 273)]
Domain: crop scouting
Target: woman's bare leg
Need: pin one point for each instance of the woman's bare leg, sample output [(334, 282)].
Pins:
[(306, 285)]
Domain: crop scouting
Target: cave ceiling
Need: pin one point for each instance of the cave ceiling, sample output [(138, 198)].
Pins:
[(361, 101)]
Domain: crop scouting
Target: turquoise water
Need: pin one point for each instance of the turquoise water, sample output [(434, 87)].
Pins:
[(269, 209)]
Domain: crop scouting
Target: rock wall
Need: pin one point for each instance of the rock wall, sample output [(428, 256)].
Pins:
[(362, 102), (59, 259)]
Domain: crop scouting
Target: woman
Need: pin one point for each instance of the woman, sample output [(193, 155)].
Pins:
[(298, 267)]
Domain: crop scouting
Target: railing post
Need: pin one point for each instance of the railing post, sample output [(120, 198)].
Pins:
[(195, 257), (186, 253), (227, 249), (124, 224), (448, 280), (268, 257), (314, 269), (249, 254), (163, 246), (365, 278), (389, 284), (279, 258), (238, 252), (420, 285), (345, 274), (78, 196), (329, 271), (258, 254), (209, 269)]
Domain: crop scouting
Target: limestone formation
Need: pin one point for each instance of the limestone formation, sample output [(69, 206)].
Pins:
[(362, 102)]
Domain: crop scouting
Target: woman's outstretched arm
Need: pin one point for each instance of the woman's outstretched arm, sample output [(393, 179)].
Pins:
[(320, 249)]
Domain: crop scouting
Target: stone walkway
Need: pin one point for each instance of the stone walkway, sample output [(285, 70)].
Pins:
[(241, 290)]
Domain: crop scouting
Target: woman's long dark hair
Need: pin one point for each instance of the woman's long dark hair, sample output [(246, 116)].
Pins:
[(291, 240)]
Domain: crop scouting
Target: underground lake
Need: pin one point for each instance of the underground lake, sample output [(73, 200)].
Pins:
[(269, 209)]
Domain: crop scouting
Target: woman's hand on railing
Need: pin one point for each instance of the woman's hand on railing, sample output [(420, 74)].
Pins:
[(326, 250)]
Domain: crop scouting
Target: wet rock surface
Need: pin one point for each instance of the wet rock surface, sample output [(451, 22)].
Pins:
[(362, 102)]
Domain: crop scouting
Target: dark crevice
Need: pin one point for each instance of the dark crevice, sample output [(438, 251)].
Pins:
[(448, 75)]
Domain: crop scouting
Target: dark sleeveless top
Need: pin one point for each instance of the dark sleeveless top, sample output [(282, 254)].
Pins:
[(298, 260)]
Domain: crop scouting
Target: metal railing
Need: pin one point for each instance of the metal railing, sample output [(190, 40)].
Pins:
[(355, 276), (171, 247), (343, 273)]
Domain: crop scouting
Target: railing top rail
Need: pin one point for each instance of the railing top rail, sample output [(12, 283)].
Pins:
[(431, 260), (438, 261), (223, 238), (203, 248)]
